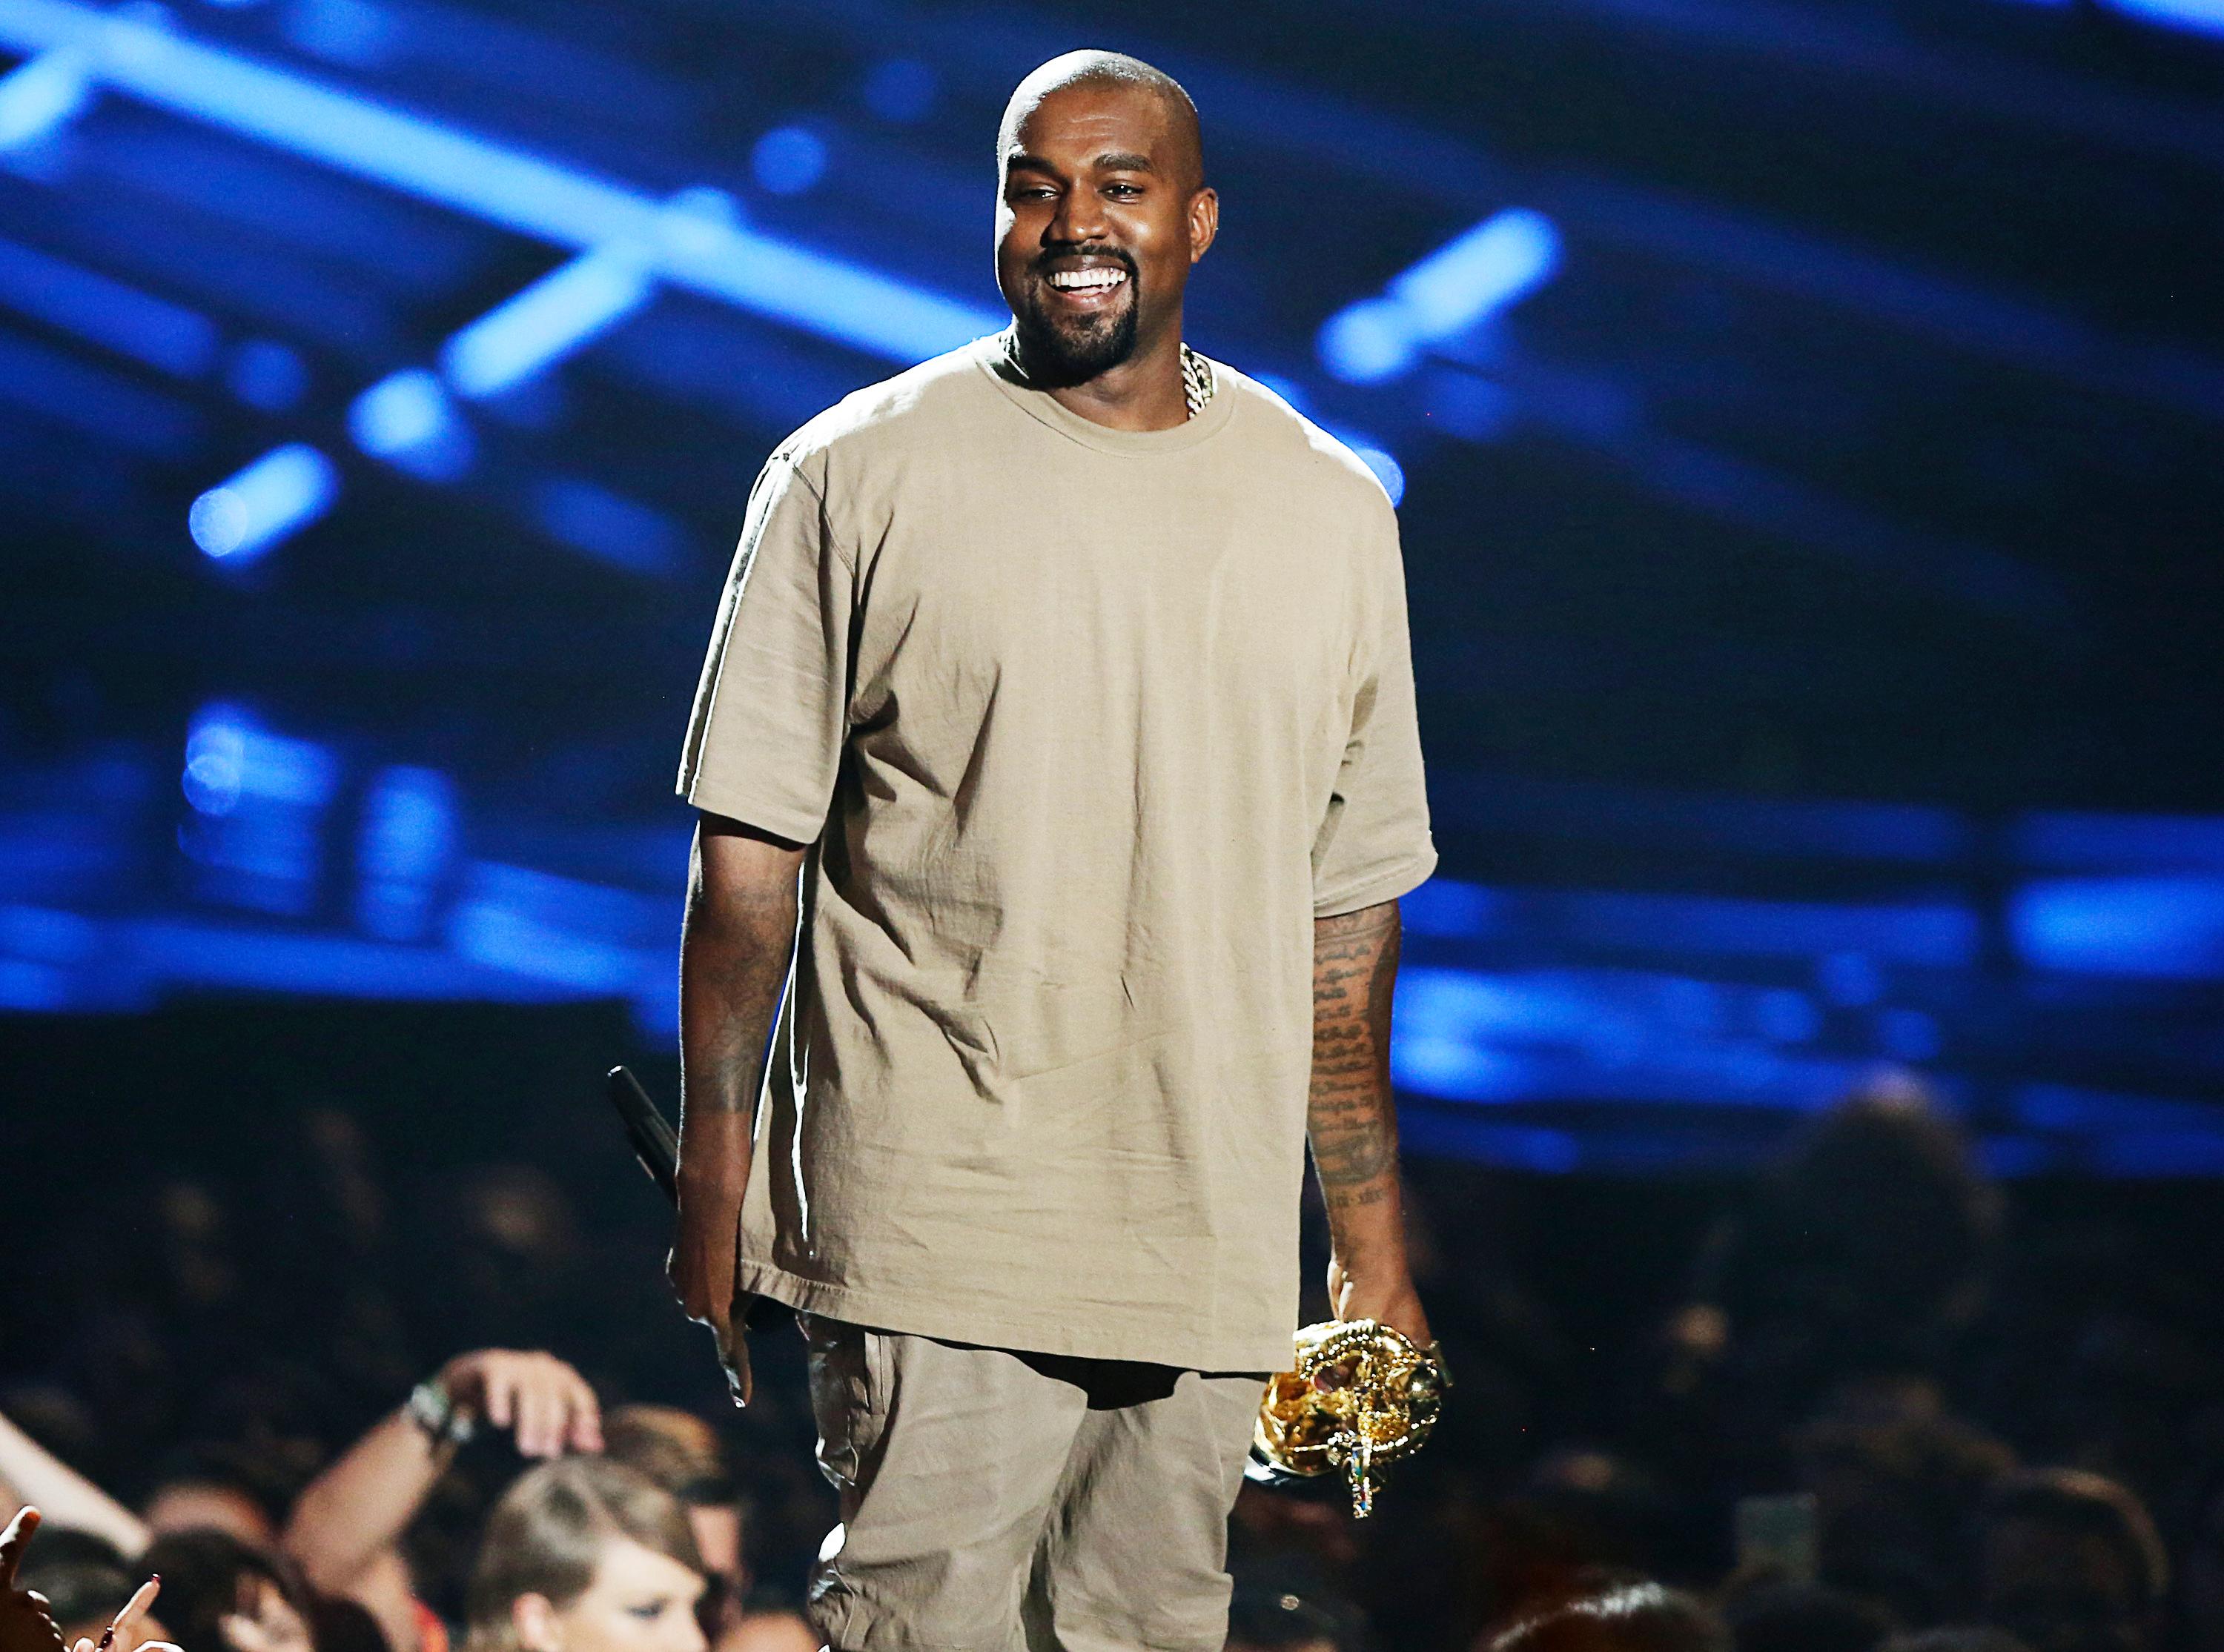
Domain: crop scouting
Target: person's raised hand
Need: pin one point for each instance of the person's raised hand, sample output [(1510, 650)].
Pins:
[(123, 1632), (545, 1405), (26, 1625)]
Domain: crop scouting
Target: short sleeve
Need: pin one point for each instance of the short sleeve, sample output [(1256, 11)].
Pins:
[(1373, 844), (764, 741)]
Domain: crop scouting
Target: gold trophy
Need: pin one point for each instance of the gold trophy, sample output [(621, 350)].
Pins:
[(1359, 1398)]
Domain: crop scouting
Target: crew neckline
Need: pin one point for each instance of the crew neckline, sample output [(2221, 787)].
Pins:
[(1046, 409)]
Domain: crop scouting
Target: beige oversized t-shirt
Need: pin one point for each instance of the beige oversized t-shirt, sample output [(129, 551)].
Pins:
[(1086, 727)]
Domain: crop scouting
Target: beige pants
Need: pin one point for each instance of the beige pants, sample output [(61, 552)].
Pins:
[(1002, 1502)]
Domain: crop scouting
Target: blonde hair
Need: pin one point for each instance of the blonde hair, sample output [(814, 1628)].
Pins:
[(546, 1534)]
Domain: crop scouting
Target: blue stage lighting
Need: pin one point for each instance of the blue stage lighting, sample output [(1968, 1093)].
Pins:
[(256, 837), (583, 937), (2161, 927), (616, 530), (2200, 17), (564, 310), (406, 419), (39, 97), (508, 188), (266, 375), (1454, 289), (1366, 342), (349, 32), (280, 493), (105, 312), (1500, 261), (900, 89), (788, 159), (410, 837)]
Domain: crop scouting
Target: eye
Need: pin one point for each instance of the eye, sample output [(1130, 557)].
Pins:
[(648, 1611), (1124, 191)]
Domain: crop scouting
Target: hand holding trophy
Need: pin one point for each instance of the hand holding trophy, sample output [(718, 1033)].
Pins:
[(1359, 1396)]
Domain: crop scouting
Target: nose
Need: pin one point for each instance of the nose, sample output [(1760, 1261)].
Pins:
[(1079, 217)]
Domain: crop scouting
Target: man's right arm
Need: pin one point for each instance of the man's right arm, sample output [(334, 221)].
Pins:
[(734, 952)]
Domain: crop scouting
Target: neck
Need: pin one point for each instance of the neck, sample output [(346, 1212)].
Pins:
[(1143, 393)]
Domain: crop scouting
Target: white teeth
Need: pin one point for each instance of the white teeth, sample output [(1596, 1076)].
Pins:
[(1081, 280)]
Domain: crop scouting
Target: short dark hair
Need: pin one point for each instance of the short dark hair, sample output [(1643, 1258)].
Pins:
[(207, 1575), (1957, 1637), (1627, 1617), (2087, 1505)]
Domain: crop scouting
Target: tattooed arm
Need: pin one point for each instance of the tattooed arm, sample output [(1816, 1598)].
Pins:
[(734, 955), (1353, 1122)]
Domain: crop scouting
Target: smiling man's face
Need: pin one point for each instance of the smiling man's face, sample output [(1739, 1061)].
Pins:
[(1101, 214)]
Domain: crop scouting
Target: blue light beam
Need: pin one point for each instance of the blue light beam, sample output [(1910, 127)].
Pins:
[(564, 310), (517, 191), (1457, 288), (40, 97), (406, 419), (105, 312), (279, 494)]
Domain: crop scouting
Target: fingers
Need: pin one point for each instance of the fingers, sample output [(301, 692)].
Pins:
[(15, 1540), (734, 1355), (500, 1394), (536, 1416), (126, 1621), (549, 1406), (586, 1431)]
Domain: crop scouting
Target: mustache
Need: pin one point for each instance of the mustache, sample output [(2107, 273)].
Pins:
[(1049, 256)]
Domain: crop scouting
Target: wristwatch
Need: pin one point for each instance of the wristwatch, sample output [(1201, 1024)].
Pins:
[(432, 1409)]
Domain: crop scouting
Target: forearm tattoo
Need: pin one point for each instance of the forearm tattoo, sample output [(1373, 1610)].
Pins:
[(1349, 1116)]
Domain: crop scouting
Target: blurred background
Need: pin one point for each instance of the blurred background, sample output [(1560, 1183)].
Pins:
[(1804, 415)]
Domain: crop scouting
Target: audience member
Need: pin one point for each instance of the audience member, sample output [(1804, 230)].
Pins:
[(89, 1615), (2071, 1562), (346, 1528), (1804, 1618), (1825, 1353), (686, 1456), (586, 1555), (1270, 1619), (220, 1594), (1895, 1477), (1626, 1618), (1868, 1250)]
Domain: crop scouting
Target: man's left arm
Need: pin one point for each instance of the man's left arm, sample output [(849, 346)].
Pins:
[(1352, 1122)]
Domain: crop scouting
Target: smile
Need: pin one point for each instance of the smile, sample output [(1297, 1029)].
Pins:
[(1084, 281)]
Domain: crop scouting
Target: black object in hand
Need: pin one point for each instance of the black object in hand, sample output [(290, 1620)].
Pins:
[(655, 1143)]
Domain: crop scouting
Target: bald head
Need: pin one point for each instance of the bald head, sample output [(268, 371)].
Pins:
[(1116, 71)]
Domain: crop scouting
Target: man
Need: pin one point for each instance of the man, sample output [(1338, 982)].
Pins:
[(1070, 672), (2070, 1561)]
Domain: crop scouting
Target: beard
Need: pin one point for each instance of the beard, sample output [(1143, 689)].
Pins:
[(1064, 351)]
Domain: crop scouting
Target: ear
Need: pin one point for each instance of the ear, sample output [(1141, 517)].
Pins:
[(534, 1617), (1204, 221)]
